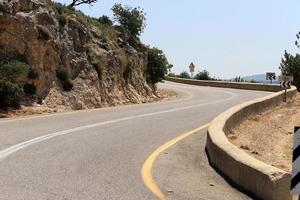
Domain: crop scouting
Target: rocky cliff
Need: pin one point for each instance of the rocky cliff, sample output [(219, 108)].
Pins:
[(105, 67)]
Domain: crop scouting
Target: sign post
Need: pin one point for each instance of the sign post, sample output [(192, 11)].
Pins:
[(285, 82), (192, 69), (295, 186), (270, 76)]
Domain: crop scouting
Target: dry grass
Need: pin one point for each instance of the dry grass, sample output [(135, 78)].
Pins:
[(268, 136)]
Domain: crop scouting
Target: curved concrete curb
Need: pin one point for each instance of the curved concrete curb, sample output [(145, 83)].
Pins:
[(227, 84), (258, 178)]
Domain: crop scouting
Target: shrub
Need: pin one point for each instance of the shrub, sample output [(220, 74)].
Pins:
[(157, 65), (99, 66), (105, 20), (127, 71), (64, 75), (10, 94), (184, 74), (204, 75), (13, 70), (62, 20), (133, 41), (29, 89), (172, 75)]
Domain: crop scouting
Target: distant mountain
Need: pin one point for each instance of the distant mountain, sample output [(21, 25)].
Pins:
[(258, 78)]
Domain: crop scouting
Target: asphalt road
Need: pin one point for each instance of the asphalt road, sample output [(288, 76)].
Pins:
[(98, 154)]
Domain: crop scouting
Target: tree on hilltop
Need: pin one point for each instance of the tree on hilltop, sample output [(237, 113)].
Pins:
[(132, 19), (79, 2)]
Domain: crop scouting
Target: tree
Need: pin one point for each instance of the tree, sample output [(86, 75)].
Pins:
[(184, 74), (157, 65), (238, 79), (290, 66), (132, 19), (204, 75), (79, 2), (297, 43)]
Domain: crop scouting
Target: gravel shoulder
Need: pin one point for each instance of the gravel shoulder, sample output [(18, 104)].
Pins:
[(183, 172), (162, 95), (268, 136)]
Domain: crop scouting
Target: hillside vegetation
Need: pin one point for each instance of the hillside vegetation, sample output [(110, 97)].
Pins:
[(59, 57)]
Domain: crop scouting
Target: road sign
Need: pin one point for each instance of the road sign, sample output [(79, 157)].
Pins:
[(270, 76), (286, 81), (285, 84), (192, 67), (295, 186)]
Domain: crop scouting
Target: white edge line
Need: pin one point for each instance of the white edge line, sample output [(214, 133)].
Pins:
[(15, 148)]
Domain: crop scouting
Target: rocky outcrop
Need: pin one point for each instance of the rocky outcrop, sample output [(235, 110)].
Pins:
[(105, 68)]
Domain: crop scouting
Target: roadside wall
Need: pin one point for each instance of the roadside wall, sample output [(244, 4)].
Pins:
[(226, 84), (256, 177)]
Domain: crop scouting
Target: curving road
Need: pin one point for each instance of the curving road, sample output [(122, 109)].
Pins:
[(98, 154)]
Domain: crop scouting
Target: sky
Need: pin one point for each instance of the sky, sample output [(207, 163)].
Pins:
[(228, 38)]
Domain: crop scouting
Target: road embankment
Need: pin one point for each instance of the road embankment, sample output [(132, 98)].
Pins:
[(256, 177)]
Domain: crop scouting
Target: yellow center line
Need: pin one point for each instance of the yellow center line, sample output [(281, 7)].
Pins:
[(148, 165)]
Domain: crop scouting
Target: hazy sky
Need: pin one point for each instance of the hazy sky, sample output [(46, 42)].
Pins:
[(228, 38)]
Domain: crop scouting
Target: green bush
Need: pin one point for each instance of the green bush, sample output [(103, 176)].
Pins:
[(184, 74), (157, 65), (99, 66), (62, 19), (29, 89), (172, 75), (10, 94), (13, 71), (134, 41), (127, 72), (61, 9), (64, 75), (204, 75), (105, 20)]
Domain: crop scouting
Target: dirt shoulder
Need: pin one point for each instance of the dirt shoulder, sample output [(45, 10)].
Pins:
[(268, 136), (162, 95)]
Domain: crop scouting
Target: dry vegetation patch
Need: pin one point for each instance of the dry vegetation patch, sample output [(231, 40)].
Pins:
[(268, 136)]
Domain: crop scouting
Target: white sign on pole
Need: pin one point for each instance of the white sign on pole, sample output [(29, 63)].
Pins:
[(192, 67)]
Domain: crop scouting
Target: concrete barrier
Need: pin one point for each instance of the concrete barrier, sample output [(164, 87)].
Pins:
[(227, 84), (256, 177)]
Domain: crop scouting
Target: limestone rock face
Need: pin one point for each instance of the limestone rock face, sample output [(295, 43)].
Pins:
[(105, 69)]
